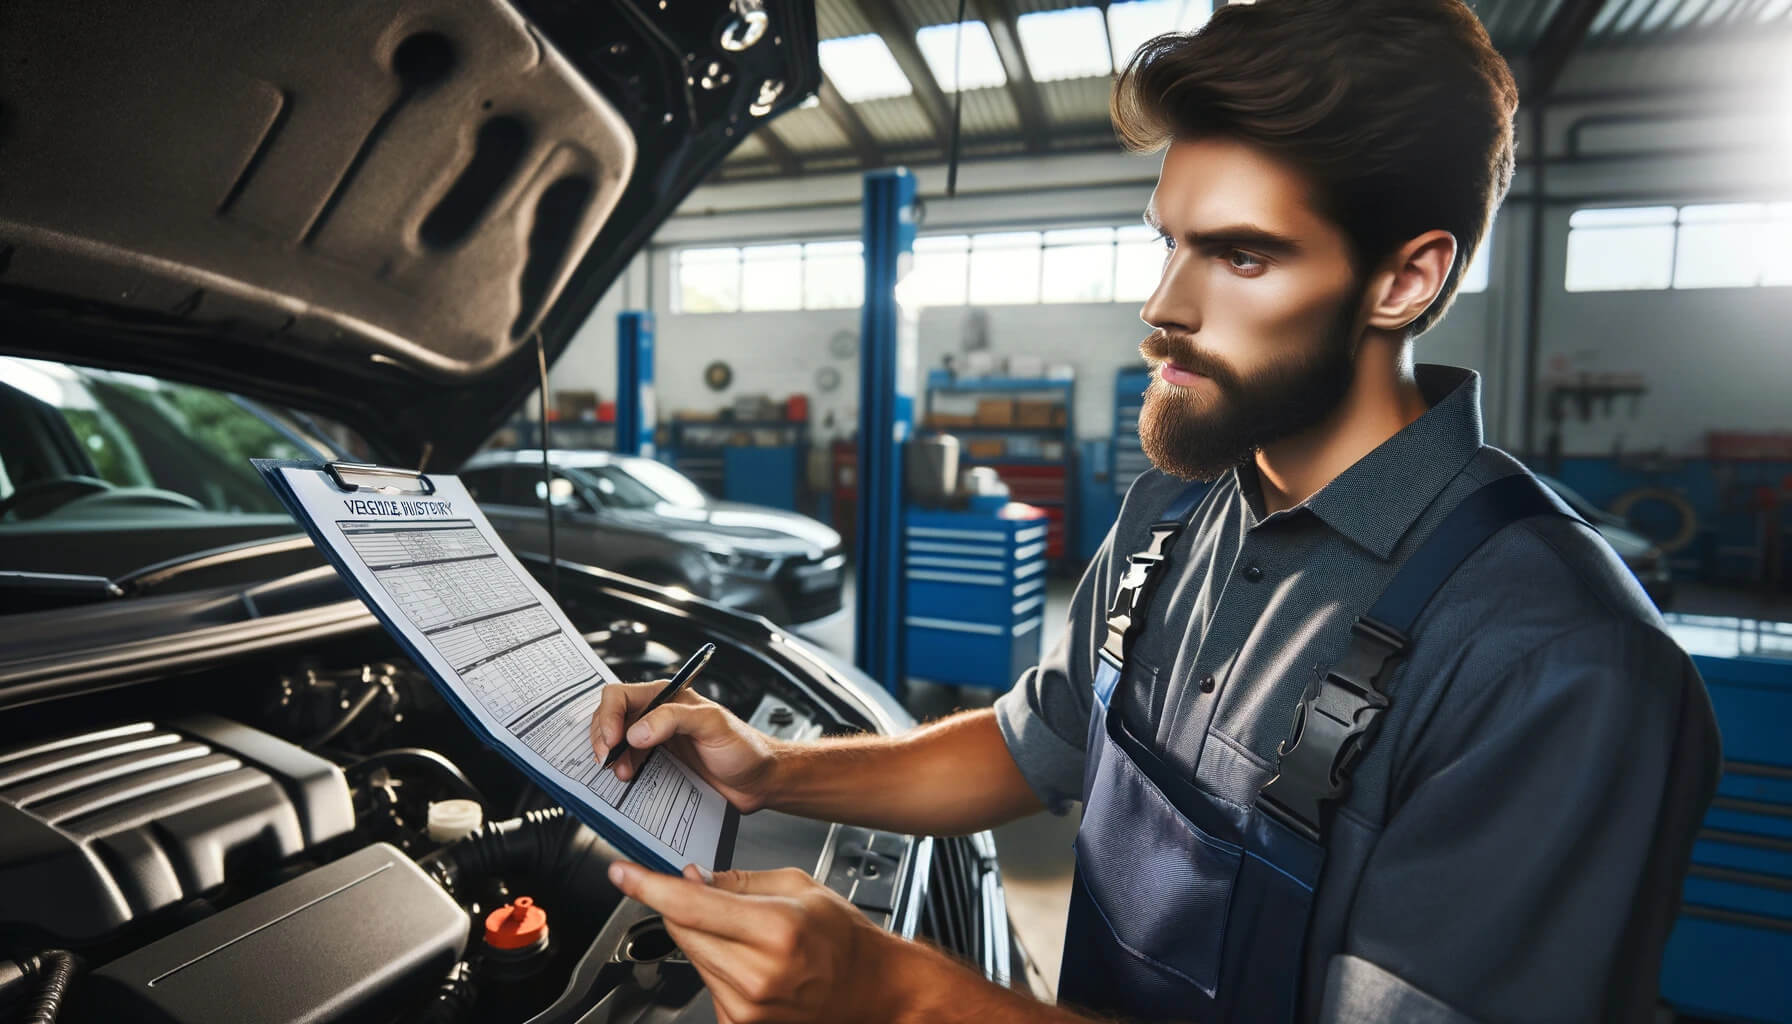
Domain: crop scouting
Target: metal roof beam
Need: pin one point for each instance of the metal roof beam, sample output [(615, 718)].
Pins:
[(789, 164), (864, 144), (899, 35), (1001, 16), (1561, 37)]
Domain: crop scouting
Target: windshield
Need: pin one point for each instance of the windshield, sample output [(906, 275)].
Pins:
[(666, 484), (143, 470), (125, 431)]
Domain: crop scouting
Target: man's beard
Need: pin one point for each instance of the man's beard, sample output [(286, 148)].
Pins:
[(1196, 437)]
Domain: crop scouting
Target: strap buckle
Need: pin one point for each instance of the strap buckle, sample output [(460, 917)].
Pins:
[(1332, 727), (1133, 594)]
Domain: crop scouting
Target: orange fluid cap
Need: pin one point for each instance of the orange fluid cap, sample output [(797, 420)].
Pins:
[(516, 925)]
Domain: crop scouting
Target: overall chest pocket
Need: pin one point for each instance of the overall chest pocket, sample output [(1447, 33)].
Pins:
[(1162, 884)]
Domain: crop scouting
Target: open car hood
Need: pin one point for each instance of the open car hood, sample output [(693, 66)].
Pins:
[(366, 210)]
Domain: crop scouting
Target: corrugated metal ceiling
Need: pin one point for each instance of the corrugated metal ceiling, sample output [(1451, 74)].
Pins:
[(1076, 101), (751, 149), (989, 112), (810, 131), (1077, 108), (931, 12), (837, 18), (896, 122)]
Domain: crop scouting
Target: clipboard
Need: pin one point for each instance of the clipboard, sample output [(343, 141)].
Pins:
[(356, 476), (374, 488)]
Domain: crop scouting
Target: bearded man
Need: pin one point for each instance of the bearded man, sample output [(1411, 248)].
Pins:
[(1370, 729)]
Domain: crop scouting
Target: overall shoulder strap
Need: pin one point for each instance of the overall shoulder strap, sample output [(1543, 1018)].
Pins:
[(1336, 723), (1132, 596)]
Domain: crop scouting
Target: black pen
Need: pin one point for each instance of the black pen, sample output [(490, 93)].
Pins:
[(679, 681)]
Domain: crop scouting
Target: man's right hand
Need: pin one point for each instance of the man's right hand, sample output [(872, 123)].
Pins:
[(728, 753)]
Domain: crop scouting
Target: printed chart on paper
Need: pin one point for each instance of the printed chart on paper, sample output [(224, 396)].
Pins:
[(513, 657)]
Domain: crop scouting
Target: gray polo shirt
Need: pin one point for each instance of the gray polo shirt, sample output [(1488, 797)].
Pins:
[(1513, 844)]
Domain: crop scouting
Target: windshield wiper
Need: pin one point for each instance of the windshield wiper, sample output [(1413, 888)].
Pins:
[(40, 591), (152, 577)]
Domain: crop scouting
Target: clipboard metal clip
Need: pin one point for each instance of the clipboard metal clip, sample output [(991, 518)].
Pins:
[(356, 476)]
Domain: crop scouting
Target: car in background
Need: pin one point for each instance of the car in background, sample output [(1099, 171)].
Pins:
[(642, 518), (1642, 556)]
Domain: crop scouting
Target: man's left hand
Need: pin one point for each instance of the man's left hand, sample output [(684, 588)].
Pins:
[(775, 945)]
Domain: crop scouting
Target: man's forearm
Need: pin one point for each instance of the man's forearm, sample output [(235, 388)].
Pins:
[(928, 987), (949, 777)]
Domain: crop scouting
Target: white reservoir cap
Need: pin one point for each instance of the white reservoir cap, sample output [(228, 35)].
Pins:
[(451, 819)]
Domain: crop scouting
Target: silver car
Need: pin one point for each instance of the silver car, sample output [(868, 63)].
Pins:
[(642, 518)]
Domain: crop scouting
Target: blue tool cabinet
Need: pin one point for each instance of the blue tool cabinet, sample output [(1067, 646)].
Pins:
[(975, 589), (1727, 957), (1128, 459)]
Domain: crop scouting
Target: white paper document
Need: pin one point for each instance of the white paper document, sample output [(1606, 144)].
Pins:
[(505, 656)]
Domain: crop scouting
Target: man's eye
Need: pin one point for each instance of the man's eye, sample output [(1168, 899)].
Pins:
[(1169, 243), (1241, 260)]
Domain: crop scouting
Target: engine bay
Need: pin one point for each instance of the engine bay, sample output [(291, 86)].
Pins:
[(318, 837)]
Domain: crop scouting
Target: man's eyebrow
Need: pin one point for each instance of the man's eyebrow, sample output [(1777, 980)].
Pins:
[(1248, 236), (1151, 221)]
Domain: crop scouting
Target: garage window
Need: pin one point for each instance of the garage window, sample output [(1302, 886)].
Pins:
[(1707, 245), (709, 281), (1139, 255), (942, 271), (1086, 264), (833, 275), (771, 277), (1734, 245), (1475, 275), (761, 278), (1078, 266), (1005, 268)]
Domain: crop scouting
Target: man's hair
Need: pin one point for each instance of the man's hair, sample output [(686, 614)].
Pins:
[(1398, 111)]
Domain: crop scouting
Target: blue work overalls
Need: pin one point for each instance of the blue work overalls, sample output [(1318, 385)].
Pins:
[(1188, 907)]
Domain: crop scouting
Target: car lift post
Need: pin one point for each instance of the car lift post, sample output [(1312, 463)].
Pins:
[(887, 370), (634, 383)]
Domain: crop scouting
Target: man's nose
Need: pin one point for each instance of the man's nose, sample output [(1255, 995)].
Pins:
[(1174, 306)]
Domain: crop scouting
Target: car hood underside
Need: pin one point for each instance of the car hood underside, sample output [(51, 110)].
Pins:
[(367, 210)]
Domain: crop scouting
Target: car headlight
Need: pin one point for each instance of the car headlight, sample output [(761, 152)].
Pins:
[(738, 561)]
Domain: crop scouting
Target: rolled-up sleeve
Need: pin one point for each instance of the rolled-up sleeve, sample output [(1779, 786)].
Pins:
[(1530, 864), (1045, 716)]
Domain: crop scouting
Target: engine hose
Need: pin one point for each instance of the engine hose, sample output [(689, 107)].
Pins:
[(443, 769), (347, 718), (56, 967), (545, 844), (453, 999)]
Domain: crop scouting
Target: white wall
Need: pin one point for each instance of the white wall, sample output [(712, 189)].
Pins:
[(1713, 359)]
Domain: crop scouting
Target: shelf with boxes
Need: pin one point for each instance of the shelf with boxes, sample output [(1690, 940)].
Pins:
[(760, 457), (1023, 428)]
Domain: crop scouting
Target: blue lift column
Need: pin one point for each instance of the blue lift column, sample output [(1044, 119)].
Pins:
[(634, 383), (887, 369)]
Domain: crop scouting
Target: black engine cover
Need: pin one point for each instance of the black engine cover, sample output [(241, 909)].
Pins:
[(355, 940), (102, 828)]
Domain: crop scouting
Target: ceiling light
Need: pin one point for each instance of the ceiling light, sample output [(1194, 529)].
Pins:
[(1071, 43), (978, 65), (862, 68), (1130, 24)]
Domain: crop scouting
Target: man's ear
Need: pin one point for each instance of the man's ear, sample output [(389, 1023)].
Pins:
[(1409, 281)]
